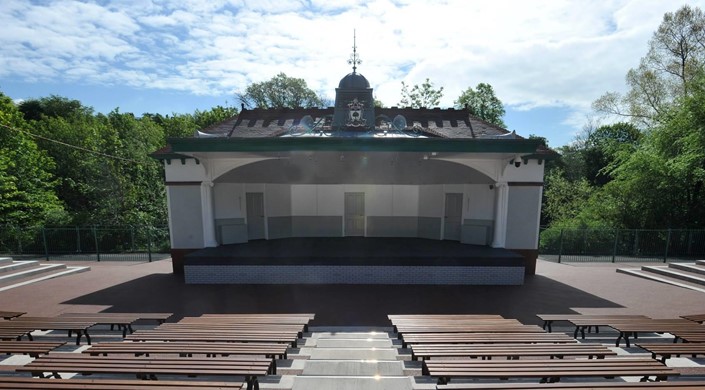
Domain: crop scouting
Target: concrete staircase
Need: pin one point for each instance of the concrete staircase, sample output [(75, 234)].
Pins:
[(23, 272), (350, 360), (686, 275)]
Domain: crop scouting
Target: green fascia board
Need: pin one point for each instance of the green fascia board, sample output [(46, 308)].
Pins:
[(182, 145)]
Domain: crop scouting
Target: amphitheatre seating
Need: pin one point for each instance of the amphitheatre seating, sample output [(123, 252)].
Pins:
[(627, 328), (511, 351), (8, 315), (579, 386), (188, 349), (30, 324), (548, 319), (496, 327), (485, 338), (549, 370), (31, 348), (22, 383), (12, 334), (220, 327), (149, 367), (666, 350), (689, 337)]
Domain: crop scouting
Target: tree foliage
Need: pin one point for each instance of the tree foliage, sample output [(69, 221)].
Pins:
[(676, 54), (281, 91), (482, 103), (424, 95)]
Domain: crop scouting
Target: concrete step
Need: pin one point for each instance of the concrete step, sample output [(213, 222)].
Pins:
[(5, 260), (689, 267), (35, 269), (53, 272), (675, 274), (700, 262), (349, 353), (352, 368), (659, 278), (15, 265), (351, 343), (351, 383)]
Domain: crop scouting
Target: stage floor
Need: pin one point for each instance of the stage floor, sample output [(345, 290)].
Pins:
[(359, 251)]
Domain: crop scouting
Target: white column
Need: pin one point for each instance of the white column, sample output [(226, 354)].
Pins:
[(207, 214), (500, 215)]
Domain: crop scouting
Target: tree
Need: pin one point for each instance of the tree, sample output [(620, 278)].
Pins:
[(676, 53), (482, 103), (281, 91), (602, 148), (420, 96), (27, 196)]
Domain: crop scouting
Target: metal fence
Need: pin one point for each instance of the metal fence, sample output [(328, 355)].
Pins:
[(619, 245), (128, 243)]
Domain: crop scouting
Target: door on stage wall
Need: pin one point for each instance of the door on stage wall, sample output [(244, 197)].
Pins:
[(354, 213), (453, 216), (255, 215)]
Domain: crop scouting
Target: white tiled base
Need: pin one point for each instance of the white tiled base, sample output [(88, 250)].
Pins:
[(332, 274)]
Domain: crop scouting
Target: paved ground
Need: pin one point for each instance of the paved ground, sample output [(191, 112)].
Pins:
[(557, 288)]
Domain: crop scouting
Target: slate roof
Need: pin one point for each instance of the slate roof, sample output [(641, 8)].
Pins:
[(435, 122)]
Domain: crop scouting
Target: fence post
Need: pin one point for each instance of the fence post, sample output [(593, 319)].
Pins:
[(132, 238), (614, 247), (149, 243), (690, 242), (44, 240), (78, 240), (560, 246), (668, 243), (95, 239)]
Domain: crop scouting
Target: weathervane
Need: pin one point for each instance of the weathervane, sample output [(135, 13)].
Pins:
[(354, 59)]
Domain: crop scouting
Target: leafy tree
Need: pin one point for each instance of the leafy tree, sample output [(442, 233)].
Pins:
[(281, 91), (482, 103), (27, 196), (563, 198), (603, 146), (676, 53), (424, 95)]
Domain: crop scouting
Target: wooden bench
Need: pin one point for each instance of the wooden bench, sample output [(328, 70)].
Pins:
[(12, 334), (666, 350), (286, 337), (511, 351), (627, 329), (219, 326), (30, 324), (124, 321), (149, 367), (8, 315), (578, 386), (289, 319), (454, 324), (485, 338), (496, 328), (689, 336), (393, 317), (695, 318), (184, 349), (22, 383), (549, 319), (31, 348), (549, 370)]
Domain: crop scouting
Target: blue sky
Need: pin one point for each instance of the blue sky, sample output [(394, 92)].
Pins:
[(547, 60)]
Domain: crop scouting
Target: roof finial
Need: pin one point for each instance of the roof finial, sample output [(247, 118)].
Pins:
[(354, 59)]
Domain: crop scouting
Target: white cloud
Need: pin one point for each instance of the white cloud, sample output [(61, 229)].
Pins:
[(553, 53)]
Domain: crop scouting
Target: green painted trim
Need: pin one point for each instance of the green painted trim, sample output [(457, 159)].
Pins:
[(354, 144)]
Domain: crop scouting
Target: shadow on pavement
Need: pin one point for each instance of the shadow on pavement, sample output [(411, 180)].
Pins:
[(338, 305)]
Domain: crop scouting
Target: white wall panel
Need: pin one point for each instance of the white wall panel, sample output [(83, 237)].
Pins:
[(229, 200), (303, 199), (479, 201), (378, 200), (405, 201), (431, 198), (277, 200), (330, 200)]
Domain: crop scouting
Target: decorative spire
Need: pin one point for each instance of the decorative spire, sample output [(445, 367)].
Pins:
[(354, 59)]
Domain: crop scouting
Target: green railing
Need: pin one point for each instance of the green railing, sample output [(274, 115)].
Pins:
[(129, 243), (620, 245)]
